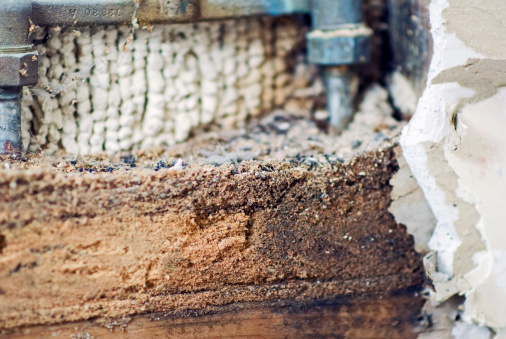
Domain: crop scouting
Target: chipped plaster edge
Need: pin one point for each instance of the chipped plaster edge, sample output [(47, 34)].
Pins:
[(409, 206), (429, 125), (430, 137)]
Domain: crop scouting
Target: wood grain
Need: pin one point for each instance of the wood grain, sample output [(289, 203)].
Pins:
[(361, 317)]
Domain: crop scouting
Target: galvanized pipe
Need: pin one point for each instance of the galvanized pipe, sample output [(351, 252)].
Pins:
[(116, 12), (339, 84), (15, 23), (333, 14), (52, 13), (10, 121), (339, 39), (16, 70)]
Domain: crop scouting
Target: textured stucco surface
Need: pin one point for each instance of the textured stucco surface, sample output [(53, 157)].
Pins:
[(409, 205), (479, 24)]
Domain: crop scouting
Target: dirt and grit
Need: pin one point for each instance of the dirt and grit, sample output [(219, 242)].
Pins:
[(175, 230)]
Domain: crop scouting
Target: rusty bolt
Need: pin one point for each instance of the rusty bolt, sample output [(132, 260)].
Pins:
[(19, 69)]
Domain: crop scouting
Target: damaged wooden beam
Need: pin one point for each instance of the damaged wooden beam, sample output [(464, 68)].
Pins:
[(194, 238), (376, 316)]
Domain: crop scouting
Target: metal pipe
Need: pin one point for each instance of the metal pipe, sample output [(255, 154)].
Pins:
[(339, 84), (51, 13), (17, 69), (14, 23), (48, 13), (10, 121), (339, 39), (220, 9), (333, 14)]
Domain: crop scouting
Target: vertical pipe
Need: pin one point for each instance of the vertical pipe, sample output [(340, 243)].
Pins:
[(15, 45), (338, 84), (10, 121), (337, 16)]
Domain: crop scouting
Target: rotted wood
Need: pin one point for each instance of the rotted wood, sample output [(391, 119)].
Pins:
[(138, 241), (387, 316)]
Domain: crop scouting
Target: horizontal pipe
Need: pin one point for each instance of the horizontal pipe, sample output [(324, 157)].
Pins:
[(219, 9), (14, 24), (48, 13)]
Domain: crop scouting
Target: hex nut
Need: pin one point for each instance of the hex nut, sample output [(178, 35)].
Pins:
[(339, 47), (19, 69)]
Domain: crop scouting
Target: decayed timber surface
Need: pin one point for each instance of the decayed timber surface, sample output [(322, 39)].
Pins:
[(379, 317), (93, 239)]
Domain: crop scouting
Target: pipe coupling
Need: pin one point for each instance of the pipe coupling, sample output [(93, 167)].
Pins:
[(18, 61), (19, 69), (345, 46)]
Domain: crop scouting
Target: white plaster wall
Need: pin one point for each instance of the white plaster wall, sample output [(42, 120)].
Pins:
[(461, 167)]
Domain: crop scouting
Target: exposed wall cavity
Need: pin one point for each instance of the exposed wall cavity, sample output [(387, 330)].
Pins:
[(111, 89), (455, 145)]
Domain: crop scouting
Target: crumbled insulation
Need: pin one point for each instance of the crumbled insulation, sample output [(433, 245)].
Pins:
[(111, 89)]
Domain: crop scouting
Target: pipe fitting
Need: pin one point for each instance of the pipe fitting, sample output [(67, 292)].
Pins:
[(18, 68), (329, 15), (345, 46), (339, 39), (15, 25)]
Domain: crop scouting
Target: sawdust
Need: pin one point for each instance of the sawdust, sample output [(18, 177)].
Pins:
[(299, 138), (137, 240)]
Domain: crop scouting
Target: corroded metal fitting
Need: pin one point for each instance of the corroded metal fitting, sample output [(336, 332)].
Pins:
[(345, 46), (333, 14), (10, 121), (339, 39), (19, 69), (15, 23)]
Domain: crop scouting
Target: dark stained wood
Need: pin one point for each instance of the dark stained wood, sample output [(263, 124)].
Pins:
[(370, 317)]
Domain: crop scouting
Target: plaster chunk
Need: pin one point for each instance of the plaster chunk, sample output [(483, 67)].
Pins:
[(454, 146)]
